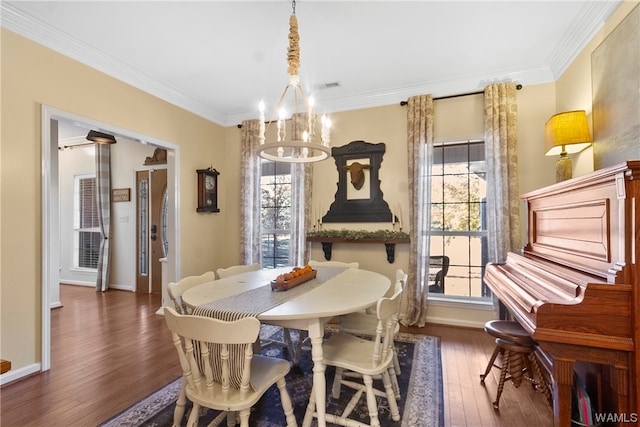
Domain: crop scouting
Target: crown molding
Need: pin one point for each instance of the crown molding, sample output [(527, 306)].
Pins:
[(591, 18), (363, 100), (589, 21), (38, 31)]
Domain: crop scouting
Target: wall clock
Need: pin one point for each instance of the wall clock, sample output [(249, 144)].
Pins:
[(207, 190)]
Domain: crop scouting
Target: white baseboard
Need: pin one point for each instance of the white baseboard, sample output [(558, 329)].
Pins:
[(78, 283), (455, 322), (93, 285), (16, 374), (121, 287)]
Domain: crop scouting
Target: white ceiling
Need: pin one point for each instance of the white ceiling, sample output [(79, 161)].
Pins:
[(218, 59)]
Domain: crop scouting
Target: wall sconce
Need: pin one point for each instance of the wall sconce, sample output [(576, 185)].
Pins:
[(566, 133)]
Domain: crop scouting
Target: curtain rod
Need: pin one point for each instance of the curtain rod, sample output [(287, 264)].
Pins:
[(403, 103), (66, 147)]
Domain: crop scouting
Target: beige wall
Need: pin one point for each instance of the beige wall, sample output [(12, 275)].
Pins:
[(455, 119), (70, 86), (210, 240), (373, 125)]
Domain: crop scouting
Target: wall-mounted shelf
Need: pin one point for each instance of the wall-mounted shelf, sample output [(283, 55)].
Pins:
[(390, 244)]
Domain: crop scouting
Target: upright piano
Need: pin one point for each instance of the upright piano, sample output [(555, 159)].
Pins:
[(575, 287)]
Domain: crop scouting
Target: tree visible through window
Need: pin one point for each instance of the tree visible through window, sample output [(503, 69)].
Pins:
[(275, 212), (458, 198), (86, 226)]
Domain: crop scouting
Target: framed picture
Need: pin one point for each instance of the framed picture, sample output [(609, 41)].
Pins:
[(358, 198), (120, 194)]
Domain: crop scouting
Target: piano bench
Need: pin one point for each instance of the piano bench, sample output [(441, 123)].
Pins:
[(509, 330), (518, 361)]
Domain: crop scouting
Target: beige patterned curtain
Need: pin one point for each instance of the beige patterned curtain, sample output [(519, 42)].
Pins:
[(250, 230), (501, 151), (301, 179), (420, 147)]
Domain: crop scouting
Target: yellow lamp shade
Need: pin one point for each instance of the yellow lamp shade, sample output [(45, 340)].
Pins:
[(566, 132)]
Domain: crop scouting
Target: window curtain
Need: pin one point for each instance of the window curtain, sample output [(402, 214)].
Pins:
[(103, 187), (420, 150), (301, 179), (250, 229), (501, 147), (501, 151)]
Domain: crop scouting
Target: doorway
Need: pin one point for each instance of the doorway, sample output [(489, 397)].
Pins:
[(50, 205), (151, 236)]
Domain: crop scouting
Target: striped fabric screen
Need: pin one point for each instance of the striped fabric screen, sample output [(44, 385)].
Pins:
[(103, 182)]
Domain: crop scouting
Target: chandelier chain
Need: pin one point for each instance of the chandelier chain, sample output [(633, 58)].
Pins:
[(293, 55)]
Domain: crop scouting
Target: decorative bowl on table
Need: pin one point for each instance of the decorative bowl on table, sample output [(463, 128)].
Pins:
[(295, 277)]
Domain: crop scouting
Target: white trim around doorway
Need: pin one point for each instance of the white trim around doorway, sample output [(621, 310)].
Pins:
[(50, 223)]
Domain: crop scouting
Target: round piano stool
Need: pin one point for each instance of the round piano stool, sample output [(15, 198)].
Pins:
[(517, 358)]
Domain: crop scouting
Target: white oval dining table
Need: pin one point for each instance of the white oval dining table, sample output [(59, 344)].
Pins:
[(348, 291)]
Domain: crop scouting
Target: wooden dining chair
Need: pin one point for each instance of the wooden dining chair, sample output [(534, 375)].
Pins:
[(216, 380), (176, 289), (368, 357), (364, 324)]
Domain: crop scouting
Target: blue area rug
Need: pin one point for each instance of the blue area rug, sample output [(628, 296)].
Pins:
[(420, 382)]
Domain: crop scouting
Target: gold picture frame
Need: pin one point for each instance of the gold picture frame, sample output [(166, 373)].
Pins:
[(120, 194)]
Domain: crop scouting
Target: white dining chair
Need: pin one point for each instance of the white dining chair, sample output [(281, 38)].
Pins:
[(314, 263), (368, 357), (204, 345), (364, 324), (234, 270), (176, 289)]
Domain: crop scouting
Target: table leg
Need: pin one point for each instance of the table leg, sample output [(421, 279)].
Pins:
[(316, 334)]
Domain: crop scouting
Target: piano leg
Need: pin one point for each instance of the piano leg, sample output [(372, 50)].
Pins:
[(562, 391), (621, 386)]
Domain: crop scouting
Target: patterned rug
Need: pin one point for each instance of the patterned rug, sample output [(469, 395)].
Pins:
[(421, 403)]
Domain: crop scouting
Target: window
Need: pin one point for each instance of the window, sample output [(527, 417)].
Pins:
[(86, 226), (164, 224), (458, 228), (143, 223), (275, 213)]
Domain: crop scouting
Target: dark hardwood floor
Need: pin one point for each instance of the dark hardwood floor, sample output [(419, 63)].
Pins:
[(110, 350)]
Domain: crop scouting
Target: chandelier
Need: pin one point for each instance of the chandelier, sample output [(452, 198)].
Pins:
[(303, 144)]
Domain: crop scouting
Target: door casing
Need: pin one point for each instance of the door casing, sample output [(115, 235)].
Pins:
[(50, 226)]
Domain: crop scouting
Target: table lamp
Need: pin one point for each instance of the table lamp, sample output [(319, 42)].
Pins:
[(566, 133)]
